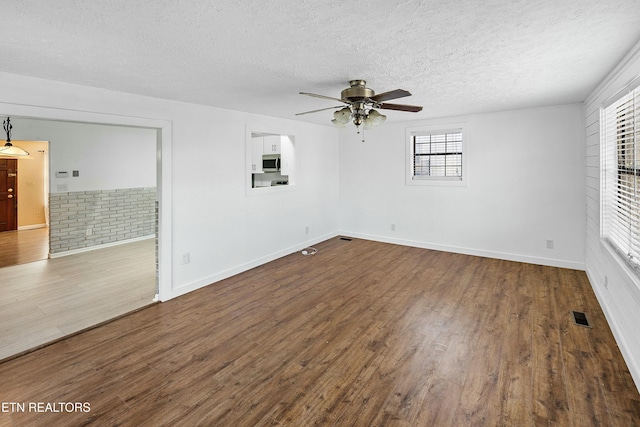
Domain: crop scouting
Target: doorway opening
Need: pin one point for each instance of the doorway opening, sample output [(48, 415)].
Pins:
[(24, 205), (84, 160), (163, 135)]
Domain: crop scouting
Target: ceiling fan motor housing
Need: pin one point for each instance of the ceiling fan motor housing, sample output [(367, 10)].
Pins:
[(357, 91)]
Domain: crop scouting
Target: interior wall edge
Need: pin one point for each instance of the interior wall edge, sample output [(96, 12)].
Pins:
[(219, 276), (617, 331), (32, 227), (610, 80), (101, 246), (550, 262)]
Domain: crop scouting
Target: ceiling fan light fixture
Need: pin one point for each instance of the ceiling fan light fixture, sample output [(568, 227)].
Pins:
[(374, 119), (338, 124), (361, 102), (342, 115)]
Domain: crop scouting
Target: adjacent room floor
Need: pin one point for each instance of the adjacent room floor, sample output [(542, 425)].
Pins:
[(22, 246), (45, 300), (360, 334)]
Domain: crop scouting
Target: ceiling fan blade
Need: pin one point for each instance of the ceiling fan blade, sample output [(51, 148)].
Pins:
[(401, 107), (392, 94), (322, 96), (321, 109)]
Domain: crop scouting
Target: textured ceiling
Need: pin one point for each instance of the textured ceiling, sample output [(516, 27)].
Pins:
[(456, 57)]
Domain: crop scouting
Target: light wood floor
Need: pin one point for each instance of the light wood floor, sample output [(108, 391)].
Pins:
[(44, 300), (360, 334)]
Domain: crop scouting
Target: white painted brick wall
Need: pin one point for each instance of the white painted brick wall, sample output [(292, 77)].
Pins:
[(111, 215)]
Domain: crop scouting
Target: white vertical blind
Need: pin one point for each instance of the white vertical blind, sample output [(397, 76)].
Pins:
[(621, 167)]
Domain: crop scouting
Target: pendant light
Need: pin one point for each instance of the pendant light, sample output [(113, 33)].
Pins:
[(9, 149)]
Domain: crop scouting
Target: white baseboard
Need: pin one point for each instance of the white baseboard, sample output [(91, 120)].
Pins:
[(468, 251), (205, 281), (96, 247), (632, 361), (31, 227)]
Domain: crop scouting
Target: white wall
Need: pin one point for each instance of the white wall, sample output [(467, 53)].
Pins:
[(525, 186), (205, 209), (107, 157), (620, 299)]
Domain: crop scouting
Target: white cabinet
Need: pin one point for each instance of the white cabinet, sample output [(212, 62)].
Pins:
[(260, 145), (271, 144), (257, 149)]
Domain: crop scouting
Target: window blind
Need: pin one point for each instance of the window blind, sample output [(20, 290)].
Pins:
[(437, 154), (621, 219)]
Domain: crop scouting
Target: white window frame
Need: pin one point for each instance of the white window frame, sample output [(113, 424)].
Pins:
[(620, 210), (433, 129)]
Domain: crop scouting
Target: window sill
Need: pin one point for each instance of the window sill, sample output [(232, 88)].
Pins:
[(631, 273), (430, 181)]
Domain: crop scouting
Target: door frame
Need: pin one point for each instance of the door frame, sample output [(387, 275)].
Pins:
[(163, 177), (45, 172)]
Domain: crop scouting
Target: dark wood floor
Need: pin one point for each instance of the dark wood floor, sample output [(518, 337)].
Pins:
[(360, 334)]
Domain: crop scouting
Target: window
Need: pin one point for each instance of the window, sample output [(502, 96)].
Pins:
[(620, 123), (436, 156)]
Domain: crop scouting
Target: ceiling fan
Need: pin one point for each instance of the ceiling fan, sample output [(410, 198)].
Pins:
[(361, 103)]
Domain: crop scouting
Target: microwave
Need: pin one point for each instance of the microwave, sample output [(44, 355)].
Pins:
[(271, 163)]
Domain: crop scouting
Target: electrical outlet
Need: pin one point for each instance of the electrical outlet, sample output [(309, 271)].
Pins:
[(186, 258), (606, 282), (549, 244), (393, 227), (306, 230), (89, 232)]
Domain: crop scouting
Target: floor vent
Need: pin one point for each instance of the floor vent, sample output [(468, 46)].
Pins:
[(580, 319), (348, 239)]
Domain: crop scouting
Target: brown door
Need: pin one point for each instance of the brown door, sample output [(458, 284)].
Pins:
[(8, 194)]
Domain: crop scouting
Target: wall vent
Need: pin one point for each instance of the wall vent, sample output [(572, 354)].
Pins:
[(581, 319)]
